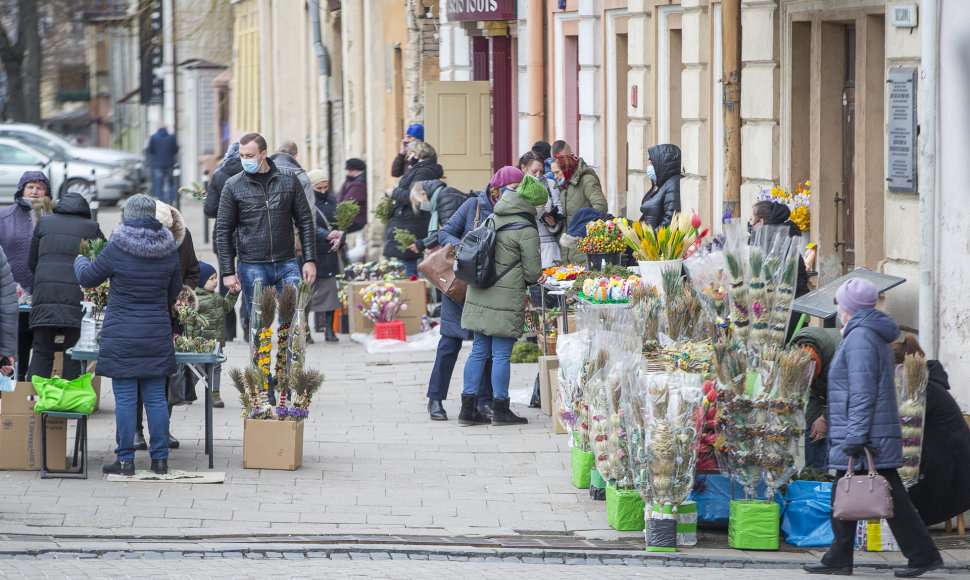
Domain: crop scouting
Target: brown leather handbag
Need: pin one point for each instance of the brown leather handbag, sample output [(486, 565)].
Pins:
[(439, 269), (862, 497)]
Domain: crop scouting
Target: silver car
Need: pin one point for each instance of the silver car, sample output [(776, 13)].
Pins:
[(45, 141), (95, 181)]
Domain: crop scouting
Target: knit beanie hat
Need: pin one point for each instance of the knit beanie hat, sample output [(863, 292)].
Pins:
[(138, 206), (505, 176), (316, 176), (416, 130), (856, 294), (354, 164), (543, 148), (532, 191), (206, 271)]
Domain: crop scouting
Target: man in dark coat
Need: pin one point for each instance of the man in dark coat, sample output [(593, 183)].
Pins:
[(661, 203), (403, 214), (285, 158), (8, 317), (354, 189), (163, 148), (56, 307), (136, 348)]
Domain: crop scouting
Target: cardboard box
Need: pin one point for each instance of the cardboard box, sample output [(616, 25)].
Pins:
[(414, 294), (20, 442), (548, 382), (96, 385), (269, 444), (58, 369), (557, 427), (20, 401)]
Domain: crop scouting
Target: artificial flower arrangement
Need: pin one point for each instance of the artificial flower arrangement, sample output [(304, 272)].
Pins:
[(911, 379), (388, 269), (254, 382), (562, 273), (194, 345), (603, 237), (798, 201), (676, 241), (381, 302), (91, 249), (195, 190), (609, 290)]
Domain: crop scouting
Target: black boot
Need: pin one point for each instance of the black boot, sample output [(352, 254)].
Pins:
[(486, 409), (331, 336), (309, 337), (469, 414), (503, 416), (120, 468), (140, 443), (173, 443), (436, 411), (319, 321), (160, 466)]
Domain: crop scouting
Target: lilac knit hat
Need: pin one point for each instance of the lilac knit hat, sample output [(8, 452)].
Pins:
[(505, 176), (856, 294)]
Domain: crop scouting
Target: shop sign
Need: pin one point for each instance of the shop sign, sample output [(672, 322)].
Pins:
[(481, 10), (902, 130)]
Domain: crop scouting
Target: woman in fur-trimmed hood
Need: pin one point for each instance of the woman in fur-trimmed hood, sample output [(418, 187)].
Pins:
[(136, 350)]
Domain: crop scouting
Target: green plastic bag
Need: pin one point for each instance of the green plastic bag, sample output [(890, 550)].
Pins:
[(753, 525), (582, 462), (624, 509), (57, 394)]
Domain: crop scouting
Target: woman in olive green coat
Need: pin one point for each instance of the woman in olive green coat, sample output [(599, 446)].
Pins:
[(496, 315), (579, 187)]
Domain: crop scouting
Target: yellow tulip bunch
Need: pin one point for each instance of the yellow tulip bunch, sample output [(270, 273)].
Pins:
[(666, 243)]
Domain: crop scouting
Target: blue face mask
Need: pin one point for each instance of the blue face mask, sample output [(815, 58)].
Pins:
[(561, 182), (250, 165), (651, 173)]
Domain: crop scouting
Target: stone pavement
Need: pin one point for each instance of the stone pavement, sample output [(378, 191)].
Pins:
[(378, 479)]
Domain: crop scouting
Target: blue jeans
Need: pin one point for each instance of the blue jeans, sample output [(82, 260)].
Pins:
[(268, 274), (410, 268), (816, 452), (444, 367), (156, 408), (163, 184), (498, 349)]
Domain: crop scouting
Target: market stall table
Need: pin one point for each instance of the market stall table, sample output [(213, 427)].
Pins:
[(193, 361), (821, 301)]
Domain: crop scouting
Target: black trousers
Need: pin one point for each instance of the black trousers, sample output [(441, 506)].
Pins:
[(25, 340), (42, 360), (908, 529)]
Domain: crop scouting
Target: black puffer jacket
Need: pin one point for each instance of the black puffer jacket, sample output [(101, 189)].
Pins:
[(326, 204), (261, 221), (57, 296), (449, 200), (403, 215), (658, 209), (218, 181)]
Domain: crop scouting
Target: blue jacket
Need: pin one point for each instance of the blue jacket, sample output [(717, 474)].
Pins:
[(142, 264), (163, 148), (862, 392), (462, 222)]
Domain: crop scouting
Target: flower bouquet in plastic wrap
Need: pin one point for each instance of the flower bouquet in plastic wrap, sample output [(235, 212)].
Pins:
[(785, 377), (647, 308), (911, 378), (573, 352), (708, 274), (737, 422), (736, 258)]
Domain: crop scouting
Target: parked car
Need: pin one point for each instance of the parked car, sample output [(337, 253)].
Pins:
[(48, 141), (95, 181)]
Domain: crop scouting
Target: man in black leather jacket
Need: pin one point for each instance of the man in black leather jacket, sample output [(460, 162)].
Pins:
[(257, 211)]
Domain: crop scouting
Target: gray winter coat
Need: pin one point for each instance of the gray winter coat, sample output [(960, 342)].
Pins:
[(862, 392), (9, 313)]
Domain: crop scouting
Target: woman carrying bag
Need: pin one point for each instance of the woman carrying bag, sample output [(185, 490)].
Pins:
[(863, 415)]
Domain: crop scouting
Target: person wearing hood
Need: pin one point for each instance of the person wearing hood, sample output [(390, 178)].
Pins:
[(162, 149), (16, 232), (402, 161), (663, 200), (579, 187), (136, 349), (435, 197), (863, 415), (285, 158), (941, 492), (821, 344), (496, 314), (229, 167), (56, 307), (403, 214), (329, 239)]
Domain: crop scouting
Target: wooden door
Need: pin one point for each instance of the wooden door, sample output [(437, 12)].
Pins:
[(847, 200), (458, 124)]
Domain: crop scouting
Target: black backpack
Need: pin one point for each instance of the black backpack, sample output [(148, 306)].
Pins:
[(475, 255)]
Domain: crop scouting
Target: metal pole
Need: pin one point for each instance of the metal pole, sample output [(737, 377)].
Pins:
[(731, 85), (928, 125)]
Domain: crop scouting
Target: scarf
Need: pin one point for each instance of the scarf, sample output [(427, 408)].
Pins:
[(231, 153), (568, 165), (432, 206)]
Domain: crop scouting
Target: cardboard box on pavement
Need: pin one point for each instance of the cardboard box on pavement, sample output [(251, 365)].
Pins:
[(20, 442), (20, 401), (414, 294), (557, 427), (548, 382), (271, 444)]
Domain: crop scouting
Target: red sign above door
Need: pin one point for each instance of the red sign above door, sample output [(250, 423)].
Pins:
[(482, 10)]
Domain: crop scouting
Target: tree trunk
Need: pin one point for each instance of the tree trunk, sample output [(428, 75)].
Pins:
[(30, 39), (14, 107)]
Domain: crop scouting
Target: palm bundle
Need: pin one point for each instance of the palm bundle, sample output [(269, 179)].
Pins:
[(911, 378), (296, 351), (758, 304), (345, 214), (251, 393), (739, 295), (41, 207), (304, 384), (782, 429), (91, 248), (287, 305), (784, 296), (264, 342), (195, 190)]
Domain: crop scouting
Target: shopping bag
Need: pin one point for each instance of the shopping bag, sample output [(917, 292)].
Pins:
[(624, 509), (180, 386), (875, 536), (753, 525), (57, 394), (597, 485), (661, 535), (807, 520), (581, 463)]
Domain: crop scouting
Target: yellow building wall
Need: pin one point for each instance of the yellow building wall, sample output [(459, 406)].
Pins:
[(245, 69)]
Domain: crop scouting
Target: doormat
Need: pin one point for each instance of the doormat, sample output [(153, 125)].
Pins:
[(173, 476)]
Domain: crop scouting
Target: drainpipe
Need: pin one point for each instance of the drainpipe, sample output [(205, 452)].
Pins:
[(323, 61), (731, 85), (535, 72), (928, 123)]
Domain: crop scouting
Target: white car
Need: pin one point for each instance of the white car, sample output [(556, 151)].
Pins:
[(47, 141), (95, 181)]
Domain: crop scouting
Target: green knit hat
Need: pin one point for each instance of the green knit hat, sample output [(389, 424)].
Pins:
[(533, 191)]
